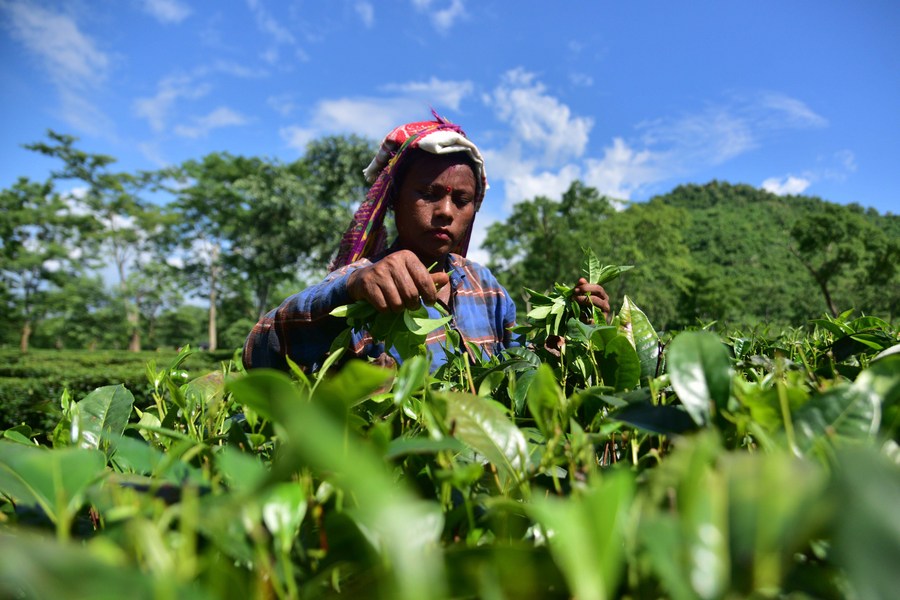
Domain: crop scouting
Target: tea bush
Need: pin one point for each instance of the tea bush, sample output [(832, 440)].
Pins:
[(602, 461), (31, 384)]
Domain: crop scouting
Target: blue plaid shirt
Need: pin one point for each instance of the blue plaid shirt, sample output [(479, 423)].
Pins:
[(303, 329)]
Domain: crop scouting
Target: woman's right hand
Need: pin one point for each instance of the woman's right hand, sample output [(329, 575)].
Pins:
[(396, 282)]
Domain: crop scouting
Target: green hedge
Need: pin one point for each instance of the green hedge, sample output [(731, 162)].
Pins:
[(31, 384)]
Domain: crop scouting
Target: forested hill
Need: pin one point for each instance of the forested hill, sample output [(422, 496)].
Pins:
[(714, 252)]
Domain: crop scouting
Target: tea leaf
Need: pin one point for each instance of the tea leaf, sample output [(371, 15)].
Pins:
[(700, 370)]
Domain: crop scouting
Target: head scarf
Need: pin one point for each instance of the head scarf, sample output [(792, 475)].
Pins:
[(366, 235)]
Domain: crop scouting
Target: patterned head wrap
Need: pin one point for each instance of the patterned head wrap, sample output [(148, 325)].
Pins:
[(366, 235)]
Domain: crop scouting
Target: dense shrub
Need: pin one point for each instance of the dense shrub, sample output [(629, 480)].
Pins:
[(31, 384)]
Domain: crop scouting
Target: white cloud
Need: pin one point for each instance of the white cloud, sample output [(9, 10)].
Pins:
[(71, 59), (152, 152), (623, 170), (82, 114), (156, 108), (366, 13), (539, 120), (371, 117), (167, 11), (844, 165), (791, 111), (297, 137), (283, 104), (69, 56), (581, 79), (786, 186), (847, 160), (268, 24), (709, 137), (445, 18), (234, 69), (438, 93), (201, 126), (270, 55)]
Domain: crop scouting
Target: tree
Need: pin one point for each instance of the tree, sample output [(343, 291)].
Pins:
[(542, 240), (839, 241), (208, 212), (651, 237), (83, 315), (128, 224), (37, 254), (248, 222), (295, 213)]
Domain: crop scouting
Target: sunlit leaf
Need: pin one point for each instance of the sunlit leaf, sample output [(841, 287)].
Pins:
[(635, 325), (283, 509), (53, 480), (484, 427), (586, 531), (101, 416), (700, 371)]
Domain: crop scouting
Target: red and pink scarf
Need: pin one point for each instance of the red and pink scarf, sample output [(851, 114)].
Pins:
[(366, 235)]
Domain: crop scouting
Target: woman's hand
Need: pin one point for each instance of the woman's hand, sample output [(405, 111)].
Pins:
[(592, 294), (396, 282)]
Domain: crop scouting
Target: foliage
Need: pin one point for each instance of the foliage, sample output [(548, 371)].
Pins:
[(38, 255), (730, 254), (30, 385), (623, 465), (124, 227)]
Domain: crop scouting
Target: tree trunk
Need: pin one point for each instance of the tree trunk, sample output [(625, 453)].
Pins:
[(134, 344), (26, 336), (831, 306), (262, 299), (213, 333)]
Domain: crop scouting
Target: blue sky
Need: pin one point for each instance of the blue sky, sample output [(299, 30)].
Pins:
[(633, 98)]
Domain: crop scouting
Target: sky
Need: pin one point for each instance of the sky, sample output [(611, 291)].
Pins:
[(633, 98)]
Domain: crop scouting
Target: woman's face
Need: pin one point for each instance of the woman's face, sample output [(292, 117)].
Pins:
[(435, 206)]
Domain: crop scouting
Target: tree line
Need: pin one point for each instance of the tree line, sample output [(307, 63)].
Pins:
[(733, 255), (199, 250), (226, 230)]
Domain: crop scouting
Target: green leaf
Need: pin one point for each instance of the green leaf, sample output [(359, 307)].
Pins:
[(14, 435), (867, 540), (352, 385), (777, 503), (590, 266), (664, 420), (410, 378), (283, 510), (541, 312), (620, 367), (406, 528), (483, 426), (420, 323), (54, 480), (265, 387), (101, 415), (610, 272), (243, 471), (420, 445), (700, 371), (586, 532), (844, 412), (545, 400), (38, 567), (635, 325)]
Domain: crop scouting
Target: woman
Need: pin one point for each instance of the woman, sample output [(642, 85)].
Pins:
[(432, 177)]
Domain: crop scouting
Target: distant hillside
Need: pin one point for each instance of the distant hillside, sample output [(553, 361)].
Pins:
[(715, 252), (746, 244)]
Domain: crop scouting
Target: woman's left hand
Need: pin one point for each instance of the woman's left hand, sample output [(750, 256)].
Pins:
[(592, 294)]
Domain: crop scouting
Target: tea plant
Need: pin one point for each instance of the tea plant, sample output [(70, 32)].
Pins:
[(607, 463)]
